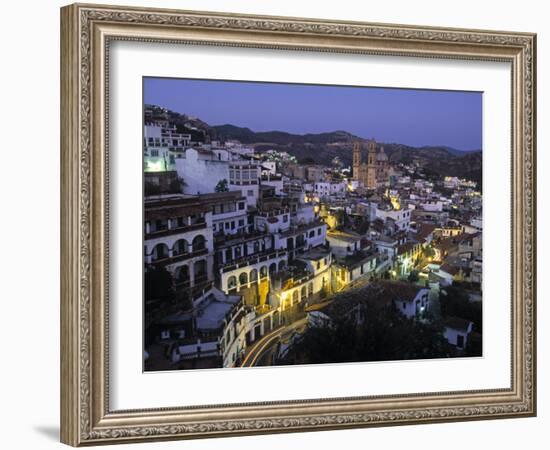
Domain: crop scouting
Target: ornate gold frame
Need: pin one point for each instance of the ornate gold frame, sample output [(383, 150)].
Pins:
[(86, 31)]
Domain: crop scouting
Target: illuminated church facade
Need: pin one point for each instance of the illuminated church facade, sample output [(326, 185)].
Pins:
[(373, 172)]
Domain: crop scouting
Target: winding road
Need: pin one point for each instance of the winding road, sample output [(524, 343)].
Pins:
[(260, 347)]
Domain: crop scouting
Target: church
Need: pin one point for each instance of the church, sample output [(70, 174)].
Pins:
[(375, 171)]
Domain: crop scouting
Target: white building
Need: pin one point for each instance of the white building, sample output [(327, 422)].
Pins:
[(457, 331), (269, 168), (401, 217), (201, 170), (162, 146), (244, 175), (413, 305), (178, 237), (451, 182), (328, 188), (432, 206), (343, 243), (229, 212)]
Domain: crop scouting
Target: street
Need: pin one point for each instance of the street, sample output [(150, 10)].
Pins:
[(263, 345)]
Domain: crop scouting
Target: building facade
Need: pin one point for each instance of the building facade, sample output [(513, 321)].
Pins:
[(374, 172)]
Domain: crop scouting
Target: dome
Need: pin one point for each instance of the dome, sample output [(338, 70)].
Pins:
[(382, 156)]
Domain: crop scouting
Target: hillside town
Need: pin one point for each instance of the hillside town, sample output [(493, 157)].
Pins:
[(256, 258)]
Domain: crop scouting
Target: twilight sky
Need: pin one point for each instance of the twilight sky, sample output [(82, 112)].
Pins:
[(406, 116)]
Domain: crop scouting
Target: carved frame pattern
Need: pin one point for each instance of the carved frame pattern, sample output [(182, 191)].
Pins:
[(86, 33)]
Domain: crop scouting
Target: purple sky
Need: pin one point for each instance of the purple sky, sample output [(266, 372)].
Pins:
[(407, 116)]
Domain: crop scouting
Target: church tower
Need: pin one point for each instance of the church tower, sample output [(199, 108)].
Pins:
[(371, 165), (356, 160)]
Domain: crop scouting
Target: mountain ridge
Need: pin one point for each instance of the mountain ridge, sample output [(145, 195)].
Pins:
[(324, 147)]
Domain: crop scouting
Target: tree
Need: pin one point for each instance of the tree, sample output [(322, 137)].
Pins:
[(151, 189), (413, 276), (176, 185), (158, 284), (454, 301), (383, 335), (222, 186), (341, 219)]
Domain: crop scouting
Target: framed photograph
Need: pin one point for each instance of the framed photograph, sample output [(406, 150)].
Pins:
[(278, 224)]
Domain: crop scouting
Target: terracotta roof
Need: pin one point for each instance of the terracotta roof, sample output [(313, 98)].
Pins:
[(425, 230), (343, 236), (457, 323), (451, 270)]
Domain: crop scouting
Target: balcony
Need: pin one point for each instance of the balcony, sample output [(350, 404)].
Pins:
[(167, 260), (176, 230), (251, 260)]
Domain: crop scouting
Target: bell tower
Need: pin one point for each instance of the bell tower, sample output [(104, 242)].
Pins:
[(372, 152), (356, 160), (371, 165)]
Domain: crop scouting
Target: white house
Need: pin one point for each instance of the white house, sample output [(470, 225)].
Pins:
[(201, 170), (457, 331), (401, 217), (343, 243)]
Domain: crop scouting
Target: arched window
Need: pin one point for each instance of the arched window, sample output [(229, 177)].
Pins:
[(253, 276), (282, 265), (243, 278), (199, 243), (181, 247), (182, 275), (273, 268), (160, 252), (200, 271), (232, 282), (263, 271), (295, 296), (303, 293)]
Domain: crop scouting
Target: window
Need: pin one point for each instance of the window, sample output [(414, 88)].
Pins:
[(460, 341), (285, 218), (319, 231), (250, 193), (241, 205), (154, 152), (312, 233), (165, 334)]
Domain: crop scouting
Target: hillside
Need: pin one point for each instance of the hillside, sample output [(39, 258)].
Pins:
[(324, 147)]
